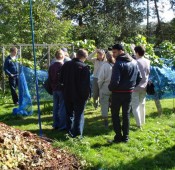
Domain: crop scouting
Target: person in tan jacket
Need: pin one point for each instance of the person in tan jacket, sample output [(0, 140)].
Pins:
[(98, 59), (103, 82)]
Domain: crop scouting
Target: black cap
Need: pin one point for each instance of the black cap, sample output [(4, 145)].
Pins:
[(118, 47)]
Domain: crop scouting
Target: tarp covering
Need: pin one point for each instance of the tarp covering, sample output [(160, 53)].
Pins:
[(162, 77)]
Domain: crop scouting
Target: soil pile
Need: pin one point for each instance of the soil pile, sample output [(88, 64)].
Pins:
[(22, 150)]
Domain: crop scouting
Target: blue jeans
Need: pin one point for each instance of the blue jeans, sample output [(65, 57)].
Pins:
[(59, 112)]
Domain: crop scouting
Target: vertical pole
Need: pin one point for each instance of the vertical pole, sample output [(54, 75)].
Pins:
[(36, 77), (48, 57)]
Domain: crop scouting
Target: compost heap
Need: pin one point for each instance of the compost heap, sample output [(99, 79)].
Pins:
[(22, 150)]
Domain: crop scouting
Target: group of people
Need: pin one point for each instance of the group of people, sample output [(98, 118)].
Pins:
[(119, 81)]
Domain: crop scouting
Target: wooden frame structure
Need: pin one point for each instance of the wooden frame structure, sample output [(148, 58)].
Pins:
[(20, 47)]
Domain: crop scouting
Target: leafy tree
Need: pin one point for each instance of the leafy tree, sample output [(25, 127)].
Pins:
[(15, 22), (104, 21)]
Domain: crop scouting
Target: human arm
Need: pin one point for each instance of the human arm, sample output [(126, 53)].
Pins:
[(85, 88), (92, 56), (7, 65), (139, 77), (101, 76), (115, 78)]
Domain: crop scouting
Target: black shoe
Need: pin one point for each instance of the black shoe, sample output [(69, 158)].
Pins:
[(55, 128), (125, 140), (114, 141)]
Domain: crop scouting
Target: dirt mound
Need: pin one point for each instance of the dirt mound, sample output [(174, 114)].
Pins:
[(22, 150)]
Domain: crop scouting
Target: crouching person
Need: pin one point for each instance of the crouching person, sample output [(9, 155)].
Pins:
[(75, 79), (103, 82)]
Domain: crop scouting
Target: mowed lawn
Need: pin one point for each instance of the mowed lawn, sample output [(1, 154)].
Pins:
[(151, 148)]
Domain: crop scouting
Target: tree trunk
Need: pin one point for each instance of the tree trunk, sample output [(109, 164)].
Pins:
[(148, 27), (159, 29)]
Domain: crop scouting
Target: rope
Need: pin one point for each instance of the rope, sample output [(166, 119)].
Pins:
[(36, 77)]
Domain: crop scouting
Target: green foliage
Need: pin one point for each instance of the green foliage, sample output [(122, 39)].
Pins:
[(27, 63), (167, 50), (103, 21), (15, 23), (149, 48), (89, 45)]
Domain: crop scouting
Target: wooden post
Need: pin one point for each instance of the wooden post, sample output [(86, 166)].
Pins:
[(48, 57), (158, 104), (3, 74)]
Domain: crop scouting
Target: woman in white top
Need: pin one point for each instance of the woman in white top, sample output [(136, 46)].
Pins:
[(97, 58), (139, 94), (103, 82)]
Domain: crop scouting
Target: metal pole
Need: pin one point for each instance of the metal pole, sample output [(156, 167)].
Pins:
[(36, 77)]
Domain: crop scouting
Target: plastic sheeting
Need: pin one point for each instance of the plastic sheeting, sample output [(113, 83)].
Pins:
[(162, 77), (27, 90)]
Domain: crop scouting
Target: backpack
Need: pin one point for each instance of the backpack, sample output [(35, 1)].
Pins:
[(47, 86), (150, 88)]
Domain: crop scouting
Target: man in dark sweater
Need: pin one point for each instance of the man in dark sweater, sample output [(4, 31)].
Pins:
[(125, 76), (10, 68), (59, 112), (75, 78)]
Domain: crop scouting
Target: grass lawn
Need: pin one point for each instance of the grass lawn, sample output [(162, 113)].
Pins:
[(152, 148)]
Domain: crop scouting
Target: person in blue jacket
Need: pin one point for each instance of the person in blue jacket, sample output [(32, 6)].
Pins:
[(125, 77), (10, 68)]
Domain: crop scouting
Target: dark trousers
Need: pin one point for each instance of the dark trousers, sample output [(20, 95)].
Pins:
[(13, 83), (74, 110), (121, 100)]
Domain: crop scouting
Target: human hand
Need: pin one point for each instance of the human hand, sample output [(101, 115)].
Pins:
[(132, 46)]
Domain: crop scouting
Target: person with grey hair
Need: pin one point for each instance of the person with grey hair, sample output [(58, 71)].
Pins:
[(103, 82), (98, 59)]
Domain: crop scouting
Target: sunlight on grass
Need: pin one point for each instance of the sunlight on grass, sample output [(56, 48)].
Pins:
[(151, 148)]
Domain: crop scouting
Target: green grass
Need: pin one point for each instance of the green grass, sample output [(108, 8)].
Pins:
[(152, 148)]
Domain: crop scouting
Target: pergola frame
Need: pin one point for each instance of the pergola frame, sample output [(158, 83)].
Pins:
[(20, 46)]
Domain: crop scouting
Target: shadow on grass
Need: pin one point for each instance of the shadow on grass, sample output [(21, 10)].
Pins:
[(165, 111), (94, 126), (52, 134), (162, 161)]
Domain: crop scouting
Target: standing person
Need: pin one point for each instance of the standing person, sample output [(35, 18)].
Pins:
[(139, 94), (75, 78), (97, 58), (125, 76), (103, 82), (10, 68), (59, 112)]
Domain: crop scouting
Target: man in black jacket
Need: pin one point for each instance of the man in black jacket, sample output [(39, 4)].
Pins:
[(125, 76), (75, 78)]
